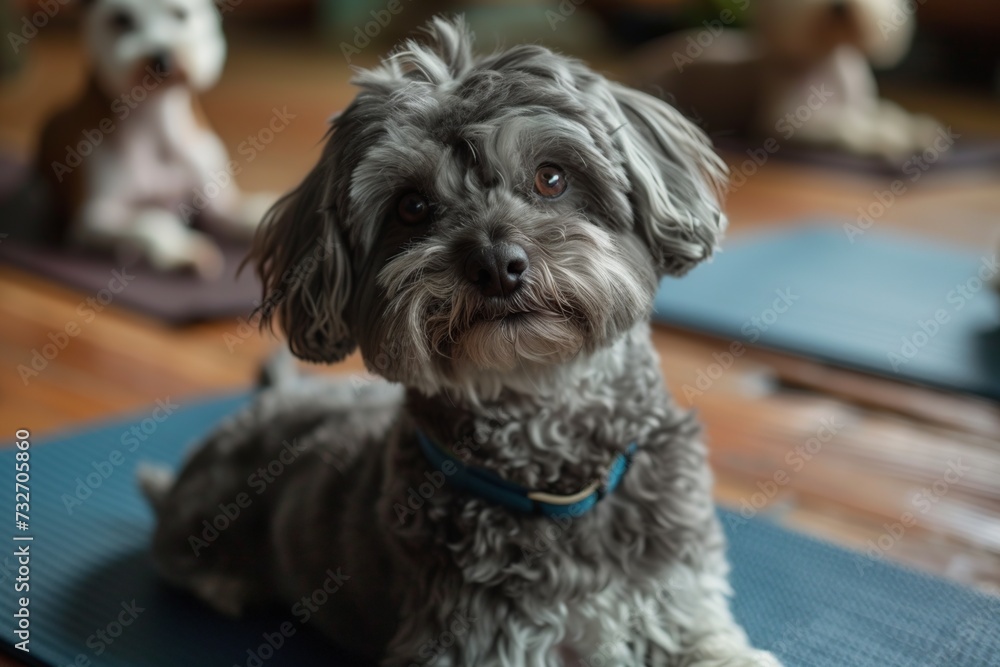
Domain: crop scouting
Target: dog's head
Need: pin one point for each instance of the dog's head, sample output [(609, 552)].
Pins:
[(495, 215), (154, 43), (810, 29)]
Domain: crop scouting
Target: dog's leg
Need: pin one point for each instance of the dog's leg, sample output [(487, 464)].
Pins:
[(478, 630), (238, 214), (157, 234), (839, 106), (718, 640), (856, 119), (666, 636), (919, 132), (885, 131), (253, 515), (225, 209), (684, 620), (212, 529)]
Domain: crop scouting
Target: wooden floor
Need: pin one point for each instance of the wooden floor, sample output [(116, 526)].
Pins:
[(894, 440)]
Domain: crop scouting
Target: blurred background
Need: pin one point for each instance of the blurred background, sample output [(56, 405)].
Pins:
[(892, 439)]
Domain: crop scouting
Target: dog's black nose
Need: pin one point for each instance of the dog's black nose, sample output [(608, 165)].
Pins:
[(497, 269), (161, 63), (840, 9)]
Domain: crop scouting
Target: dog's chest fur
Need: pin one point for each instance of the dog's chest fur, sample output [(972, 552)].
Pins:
[(561, 445), (165, 151)]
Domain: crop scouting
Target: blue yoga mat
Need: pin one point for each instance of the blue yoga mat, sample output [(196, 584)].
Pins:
[(870, 301), (95, 601)]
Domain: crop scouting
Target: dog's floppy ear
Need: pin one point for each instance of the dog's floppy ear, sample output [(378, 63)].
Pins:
[(676, 177), (300, 255)]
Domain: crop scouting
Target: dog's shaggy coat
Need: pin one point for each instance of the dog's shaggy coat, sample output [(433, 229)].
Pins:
[(545, 387)]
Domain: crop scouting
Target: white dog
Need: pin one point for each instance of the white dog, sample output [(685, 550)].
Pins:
[(803, 73), (133, 161)]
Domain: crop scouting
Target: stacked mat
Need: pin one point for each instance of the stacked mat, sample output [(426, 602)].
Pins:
[(94, 599)]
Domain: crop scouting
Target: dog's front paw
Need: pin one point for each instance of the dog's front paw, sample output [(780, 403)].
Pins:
[(199, 253), (729, 650), (747, 658), (927, 134), (899, 134), (750, 658), (179, 248)]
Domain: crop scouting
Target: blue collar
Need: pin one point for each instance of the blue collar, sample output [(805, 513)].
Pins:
[(489, 485)]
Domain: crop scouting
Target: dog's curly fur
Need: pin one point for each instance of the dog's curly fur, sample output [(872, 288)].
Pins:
[(545, 387)]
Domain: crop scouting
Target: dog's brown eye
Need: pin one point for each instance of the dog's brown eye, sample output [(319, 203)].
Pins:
[(550, 181), (122, 22), (413, 208)]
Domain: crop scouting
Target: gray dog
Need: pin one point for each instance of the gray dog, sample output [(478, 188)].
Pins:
[(490, 231)]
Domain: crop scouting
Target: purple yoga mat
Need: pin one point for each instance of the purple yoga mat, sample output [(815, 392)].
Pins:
[(174, 298)]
